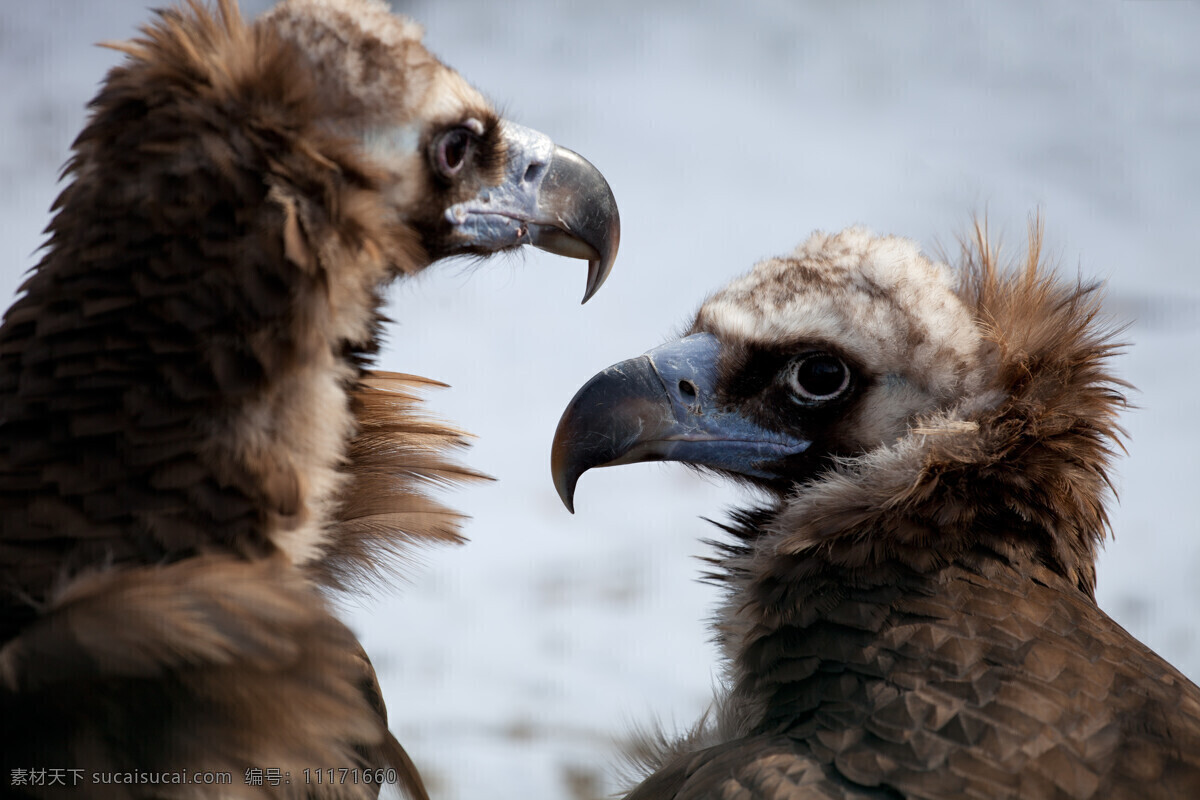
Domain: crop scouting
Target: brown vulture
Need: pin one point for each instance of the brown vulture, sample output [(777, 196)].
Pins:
[(910, 612), (191, 450)]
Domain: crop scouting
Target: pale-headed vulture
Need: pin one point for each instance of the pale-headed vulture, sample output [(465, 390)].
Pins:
[(910, 612), (191, 451)]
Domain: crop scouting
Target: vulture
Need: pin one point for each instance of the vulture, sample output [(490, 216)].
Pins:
[(193, 454), (909, 607)]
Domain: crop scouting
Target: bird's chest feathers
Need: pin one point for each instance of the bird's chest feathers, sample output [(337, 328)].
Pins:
[(845, 651)]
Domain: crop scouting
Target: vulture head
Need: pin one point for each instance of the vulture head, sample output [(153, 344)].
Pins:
[(823, 354), (444, 162), (857, 359)]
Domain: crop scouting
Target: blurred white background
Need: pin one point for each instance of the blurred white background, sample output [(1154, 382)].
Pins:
[(514, 666)]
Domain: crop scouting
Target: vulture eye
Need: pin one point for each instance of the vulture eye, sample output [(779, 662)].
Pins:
[(818, 377), (451, 150)]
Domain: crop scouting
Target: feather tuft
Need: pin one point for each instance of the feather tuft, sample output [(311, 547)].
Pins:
[(399, 456)]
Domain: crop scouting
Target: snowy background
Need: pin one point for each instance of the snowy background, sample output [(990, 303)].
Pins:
[(513, 667)]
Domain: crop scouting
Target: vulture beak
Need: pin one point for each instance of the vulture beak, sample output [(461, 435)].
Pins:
[(661, 407), (550, 197)]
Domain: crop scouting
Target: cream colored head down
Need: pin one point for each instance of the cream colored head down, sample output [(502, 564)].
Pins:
[(876, 300)]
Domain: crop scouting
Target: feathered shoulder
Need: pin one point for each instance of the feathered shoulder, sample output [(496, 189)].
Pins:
[(209, 663)]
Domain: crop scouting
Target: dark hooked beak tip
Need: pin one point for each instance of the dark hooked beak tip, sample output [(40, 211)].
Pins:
[(606, 422), (577, 216), (564, 483), (564, 474)]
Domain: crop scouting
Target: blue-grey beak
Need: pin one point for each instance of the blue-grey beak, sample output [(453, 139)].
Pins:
[(661, 406), (550, 197)]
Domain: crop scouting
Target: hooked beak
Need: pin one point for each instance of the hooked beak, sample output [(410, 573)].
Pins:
[(661, 407), (550, 197)]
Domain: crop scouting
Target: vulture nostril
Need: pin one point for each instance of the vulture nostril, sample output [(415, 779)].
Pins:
[(532, 171), (688, 389)]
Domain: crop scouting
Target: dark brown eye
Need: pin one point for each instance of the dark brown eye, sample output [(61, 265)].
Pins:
[(451, 150), (818, 377)]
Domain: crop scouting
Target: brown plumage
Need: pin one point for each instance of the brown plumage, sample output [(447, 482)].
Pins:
[(912, 613), (190, 449)]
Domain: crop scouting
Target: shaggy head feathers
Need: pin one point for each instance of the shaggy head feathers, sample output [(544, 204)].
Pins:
[(877, 297), (1017, 450), (372, 63), (877, 301)]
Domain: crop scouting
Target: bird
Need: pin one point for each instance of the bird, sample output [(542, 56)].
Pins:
[(195, 455), (908, 604)]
